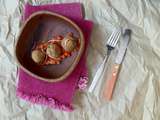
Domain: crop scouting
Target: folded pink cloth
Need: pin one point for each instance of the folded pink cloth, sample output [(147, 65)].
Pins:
[(57, 95), (70, 10)]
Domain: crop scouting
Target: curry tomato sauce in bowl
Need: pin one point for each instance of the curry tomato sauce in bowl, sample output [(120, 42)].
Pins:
[(49, 46)]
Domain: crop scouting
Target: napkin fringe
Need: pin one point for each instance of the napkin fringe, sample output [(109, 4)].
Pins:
[(40, 99)]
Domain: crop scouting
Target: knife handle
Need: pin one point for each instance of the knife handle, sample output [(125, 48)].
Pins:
[(110, 84)]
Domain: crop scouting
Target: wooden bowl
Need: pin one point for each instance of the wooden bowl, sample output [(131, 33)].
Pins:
[(42, 26)]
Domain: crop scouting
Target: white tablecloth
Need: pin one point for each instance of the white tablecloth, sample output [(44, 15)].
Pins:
[(137, 93)]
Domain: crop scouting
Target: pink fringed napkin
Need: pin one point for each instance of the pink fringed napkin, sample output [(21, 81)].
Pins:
[(57, 95)]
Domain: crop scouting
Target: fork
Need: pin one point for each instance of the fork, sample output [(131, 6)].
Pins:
[(111, 43)]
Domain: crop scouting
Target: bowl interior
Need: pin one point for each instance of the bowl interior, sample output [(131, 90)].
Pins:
[(42, 28)]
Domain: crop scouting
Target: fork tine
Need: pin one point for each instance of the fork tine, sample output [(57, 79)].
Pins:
[(111, 36), (115, 39)]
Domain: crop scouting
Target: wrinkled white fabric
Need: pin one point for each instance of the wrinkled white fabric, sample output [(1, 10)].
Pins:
[(137, 93)]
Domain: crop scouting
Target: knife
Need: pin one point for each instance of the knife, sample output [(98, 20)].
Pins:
[(110, 84)]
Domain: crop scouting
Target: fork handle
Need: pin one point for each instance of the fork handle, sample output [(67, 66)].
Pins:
[(98, 74), (110, 84)]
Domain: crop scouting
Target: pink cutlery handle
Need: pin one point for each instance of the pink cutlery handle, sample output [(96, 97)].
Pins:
[(110, 84)]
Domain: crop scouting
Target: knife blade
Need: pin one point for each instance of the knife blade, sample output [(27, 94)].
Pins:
[(110, 84), (123, 47)]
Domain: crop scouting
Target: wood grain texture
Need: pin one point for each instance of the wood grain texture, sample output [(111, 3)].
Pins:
[(110, 84)]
